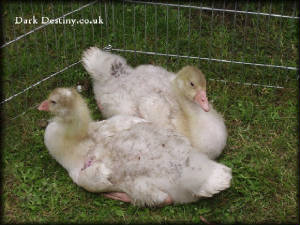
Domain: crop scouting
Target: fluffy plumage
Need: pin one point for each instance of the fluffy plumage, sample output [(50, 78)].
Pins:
[(128, 154), (169, 100)]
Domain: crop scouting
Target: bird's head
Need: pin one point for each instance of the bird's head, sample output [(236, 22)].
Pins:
[(62, 102), (191, 83)]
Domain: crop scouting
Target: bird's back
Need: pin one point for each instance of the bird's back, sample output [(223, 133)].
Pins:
[(145, 150), (127, 94)]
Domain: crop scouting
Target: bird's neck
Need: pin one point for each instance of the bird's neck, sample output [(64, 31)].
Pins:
[(75, 126), (186, 115), (187, 107), (66, 138)]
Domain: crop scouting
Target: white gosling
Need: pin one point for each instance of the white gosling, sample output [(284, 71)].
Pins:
[(169, 100), (128, 156)]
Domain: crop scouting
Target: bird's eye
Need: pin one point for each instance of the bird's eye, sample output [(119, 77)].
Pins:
[(192, 84), (53, 102)]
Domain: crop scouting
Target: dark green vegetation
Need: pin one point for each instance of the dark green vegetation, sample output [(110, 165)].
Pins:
[(262, 122)]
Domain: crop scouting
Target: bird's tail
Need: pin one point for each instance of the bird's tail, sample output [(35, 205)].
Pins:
[(205, 177), (102, 65)]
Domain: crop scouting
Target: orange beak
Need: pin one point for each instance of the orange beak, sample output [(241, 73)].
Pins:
[(44, 106), (201, 99)]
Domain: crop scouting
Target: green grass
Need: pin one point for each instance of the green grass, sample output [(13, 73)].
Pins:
[(262, 147)]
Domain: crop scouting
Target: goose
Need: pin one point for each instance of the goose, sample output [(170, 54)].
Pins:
[(127, 158), (176, 101)]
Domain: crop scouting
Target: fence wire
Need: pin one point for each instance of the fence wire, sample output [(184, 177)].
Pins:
[(183, 31), (46, 24)]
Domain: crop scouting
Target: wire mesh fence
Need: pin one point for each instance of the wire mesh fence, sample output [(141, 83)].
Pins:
[(247, 43)]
